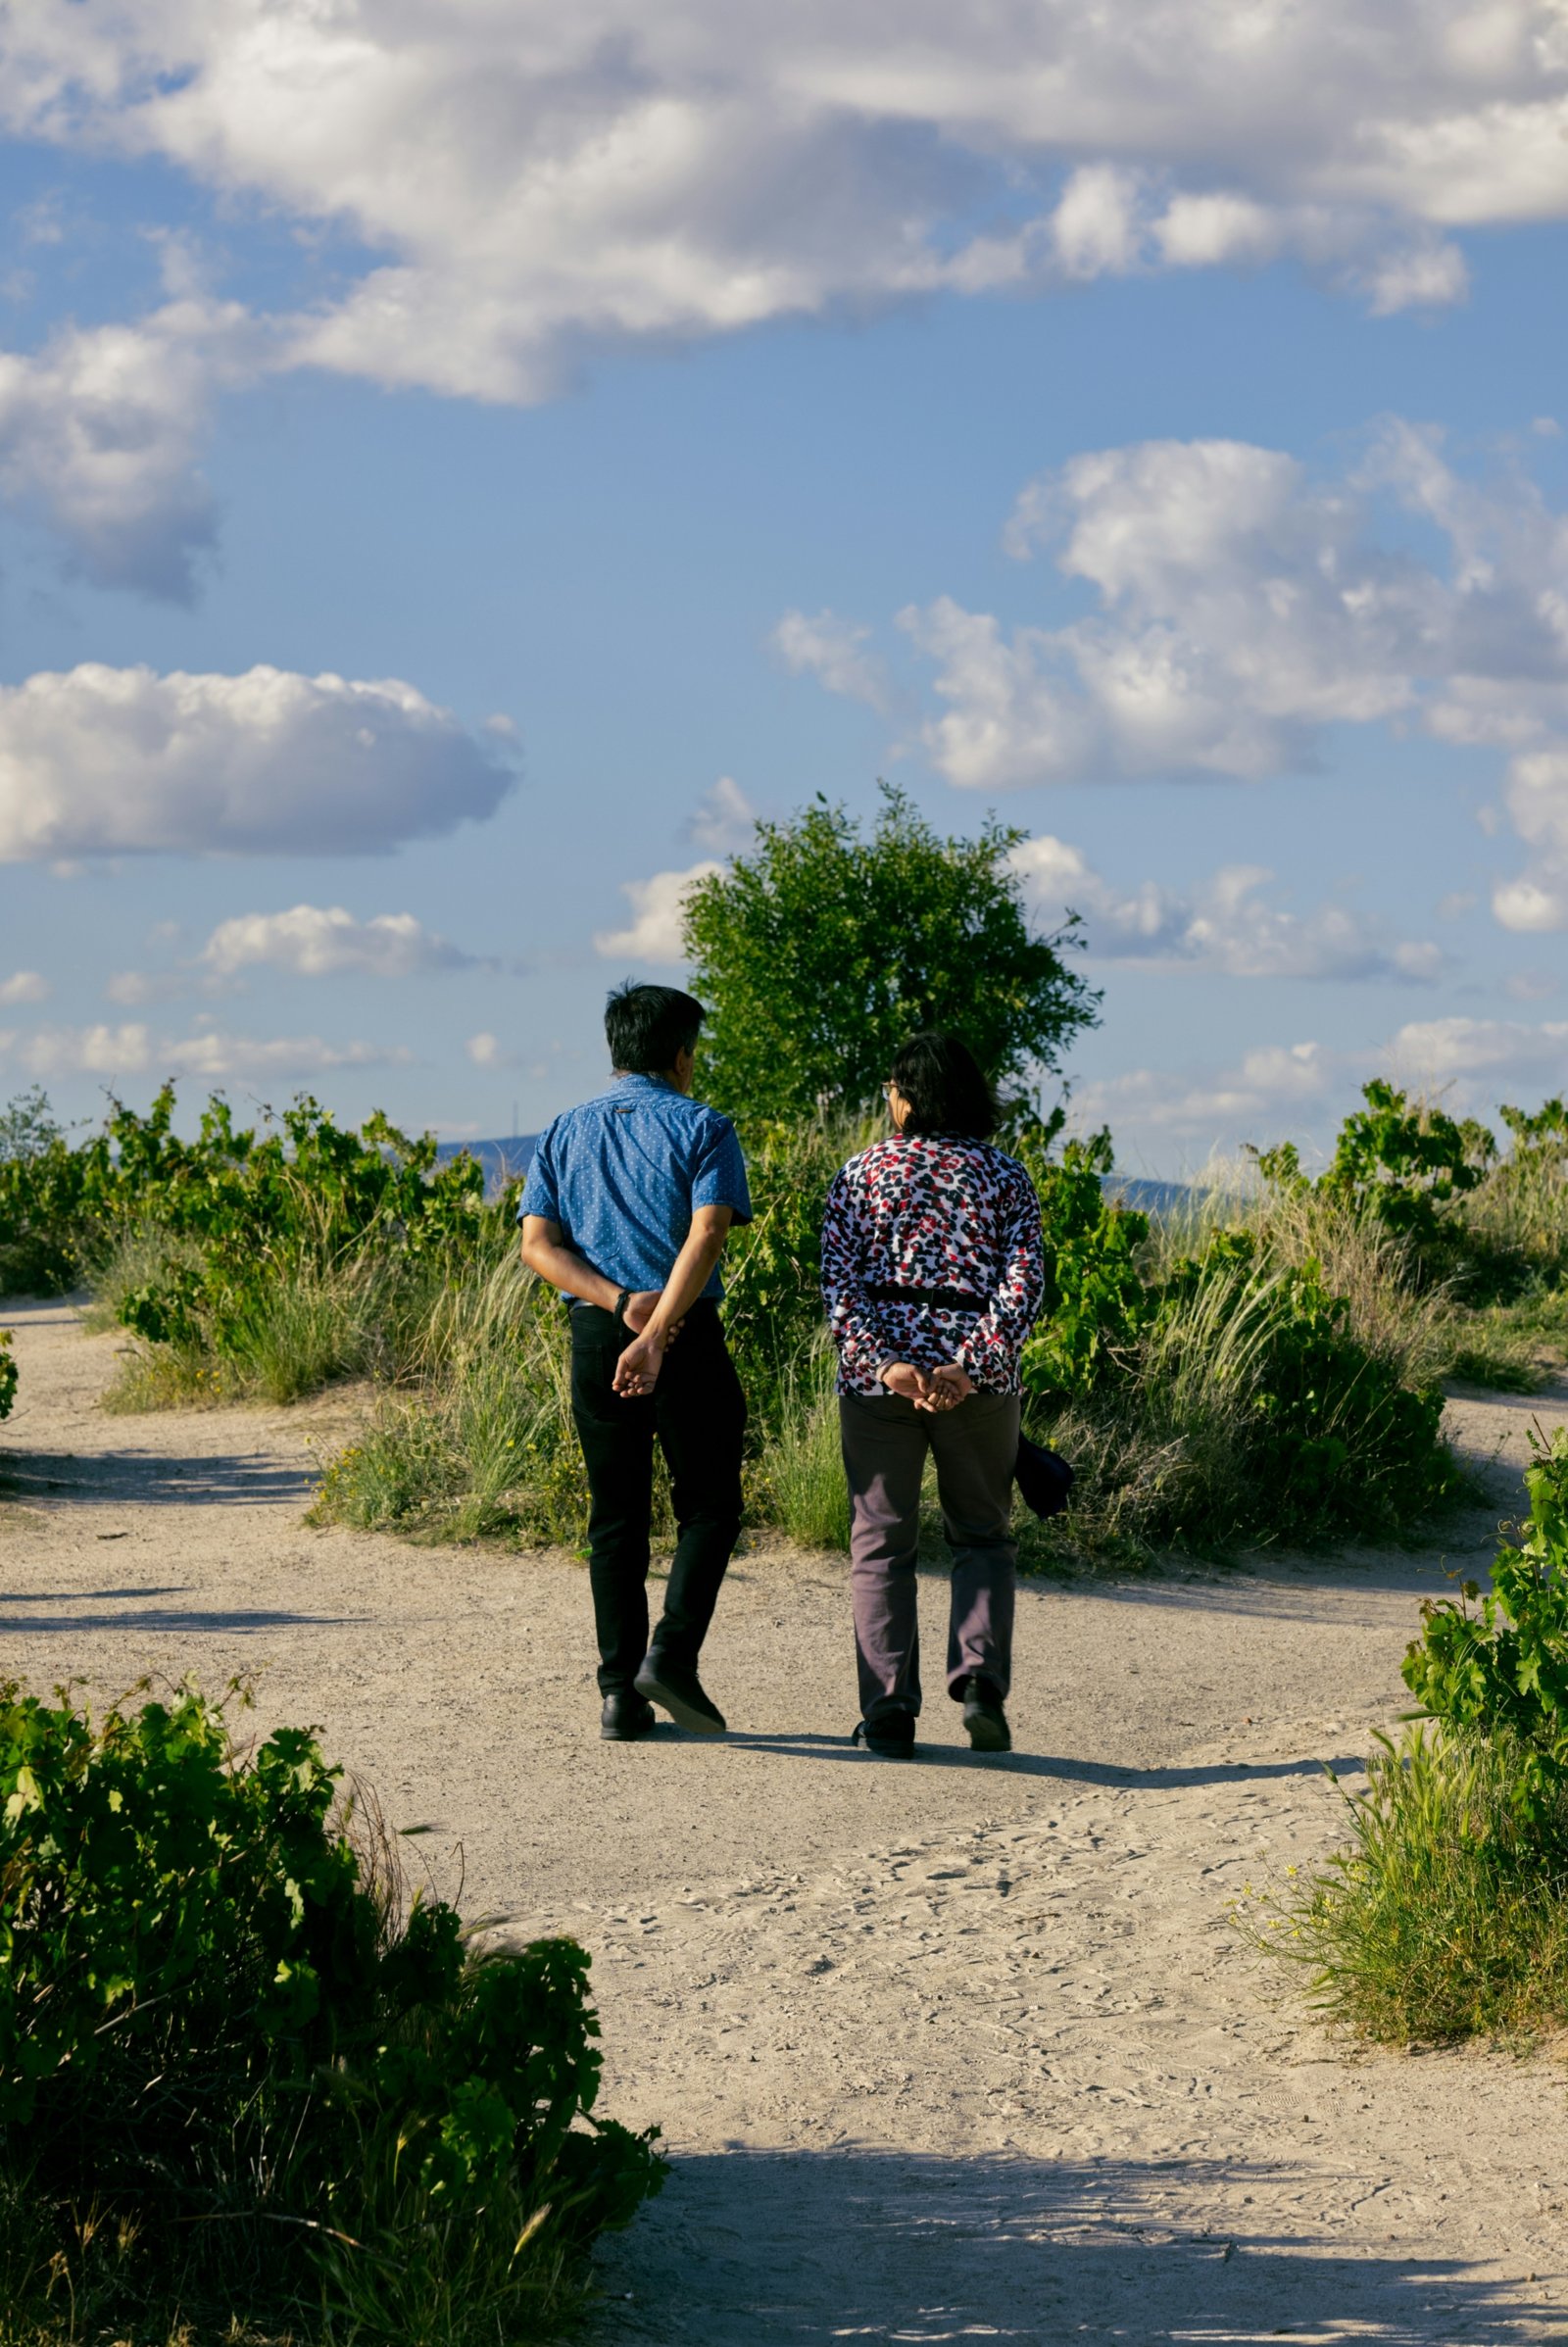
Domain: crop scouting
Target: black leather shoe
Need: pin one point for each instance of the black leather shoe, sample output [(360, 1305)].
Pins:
[(625, 1717), (680, 1691), (985, 1718), (892, 1737)]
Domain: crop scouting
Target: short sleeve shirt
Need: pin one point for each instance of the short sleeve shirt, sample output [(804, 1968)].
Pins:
[(623, 1174)]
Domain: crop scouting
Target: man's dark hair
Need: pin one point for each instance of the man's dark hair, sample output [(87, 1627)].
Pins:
[(647, 1027), (940, 1077)]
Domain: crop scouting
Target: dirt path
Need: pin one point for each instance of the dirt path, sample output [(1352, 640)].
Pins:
[(947, 2051)]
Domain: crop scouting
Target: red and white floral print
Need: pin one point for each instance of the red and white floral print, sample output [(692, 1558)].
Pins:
[(933, 1211)]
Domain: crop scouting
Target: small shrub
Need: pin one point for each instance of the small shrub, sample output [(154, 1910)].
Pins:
[(1501, 1671), (285, 1257), (220, 2031), (1095, 1301), (1231, 1395), (43, 1183), (1330, 1437), (1491, 1230), (1446, 1916), (1401, 1161), (1448, 1913), (1513, 1228)]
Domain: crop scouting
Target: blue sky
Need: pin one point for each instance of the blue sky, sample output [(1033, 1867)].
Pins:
[(601, 431)]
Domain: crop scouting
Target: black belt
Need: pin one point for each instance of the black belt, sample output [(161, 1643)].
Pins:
[(938, 1300)]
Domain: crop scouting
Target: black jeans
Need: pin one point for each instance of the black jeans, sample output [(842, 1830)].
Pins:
[(698, 1413)]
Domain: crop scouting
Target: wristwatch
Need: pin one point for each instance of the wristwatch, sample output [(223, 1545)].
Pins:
[(621, 1301)]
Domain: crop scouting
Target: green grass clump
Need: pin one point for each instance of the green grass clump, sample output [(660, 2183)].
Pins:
[(1448, 1913), (245, 2081), (800, 1484), (1447, 1916), (478, 1441), (320, 1313), (1252, 1372)]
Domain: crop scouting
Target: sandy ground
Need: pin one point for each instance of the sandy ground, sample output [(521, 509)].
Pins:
[(952, 2050)]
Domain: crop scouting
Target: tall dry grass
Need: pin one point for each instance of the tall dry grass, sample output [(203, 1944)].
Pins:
[(477, 1438), (325, 1312), (1183, 1446), (799, 1483)]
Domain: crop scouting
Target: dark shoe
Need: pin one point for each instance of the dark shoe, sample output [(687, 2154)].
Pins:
[(625, 1717), (892, 1737), (985, 1718), (680, 1691)]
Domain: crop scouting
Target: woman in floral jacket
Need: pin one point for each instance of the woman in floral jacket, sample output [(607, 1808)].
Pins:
[(933, 1270)]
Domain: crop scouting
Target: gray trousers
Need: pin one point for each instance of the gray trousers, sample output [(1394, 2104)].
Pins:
[(975, 1446)]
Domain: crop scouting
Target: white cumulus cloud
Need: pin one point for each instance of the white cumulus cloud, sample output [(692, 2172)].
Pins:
[(1225, 923), (1240, 605), (1536, 800), (1301, 1091), (1096, 229), (533, 175), (132, 1048), (530, 184), (101, 428), (99, 761), (833, 651), (313, 941), (24, 985), (726, 821), (1205, 231), (1218, 1110), (1438, 1052), (657, 908)]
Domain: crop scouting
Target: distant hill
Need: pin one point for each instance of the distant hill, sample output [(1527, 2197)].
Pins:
[(504, 1161), (1145, 1197)]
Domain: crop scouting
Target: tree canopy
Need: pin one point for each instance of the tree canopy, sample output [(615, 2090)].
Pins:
[(822, 951)]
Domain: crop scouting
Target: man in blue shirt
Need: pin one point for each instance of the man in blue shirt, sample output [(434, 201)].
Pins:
[(627, 1207)]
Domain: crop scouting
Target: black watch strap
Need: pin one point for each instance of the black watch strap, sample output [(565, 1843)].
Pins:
[(621, 1301)]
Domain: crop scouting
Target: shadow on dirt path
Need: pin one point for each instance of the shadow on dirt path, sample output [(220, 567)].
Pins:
[(814, 2248)]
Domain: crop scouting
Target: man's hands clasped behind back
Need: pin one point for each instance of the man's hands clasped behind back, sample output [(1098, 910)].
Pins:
[(637, 1370)]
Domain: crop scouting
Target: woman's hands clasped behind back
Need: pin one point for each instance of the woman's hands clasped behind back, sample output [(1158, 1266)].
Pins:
[(932, 1390)]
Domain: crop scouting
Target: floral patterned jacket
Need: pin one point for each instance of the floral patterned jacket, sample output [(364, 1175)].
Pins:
[(938, 1212)]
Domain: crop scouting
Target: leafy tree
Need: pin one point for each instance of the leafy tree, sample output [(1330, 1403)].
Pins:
[(822, 951)]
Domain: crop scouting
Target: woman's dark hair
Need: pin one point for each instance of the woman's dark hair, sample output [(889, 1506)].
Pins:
[(940, 1077), (647, 1027)]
